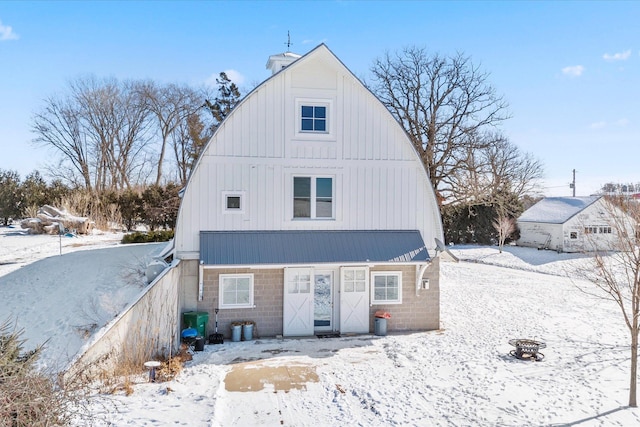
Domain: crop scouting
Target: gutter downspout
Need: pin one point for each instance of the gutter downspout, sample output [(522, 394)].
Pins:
[(420, 270), (201, 281)]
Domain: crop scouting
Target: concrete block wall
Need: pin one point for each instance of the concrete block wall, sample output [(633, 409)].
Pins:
[(416, 313), (419, 312), (267, 298)]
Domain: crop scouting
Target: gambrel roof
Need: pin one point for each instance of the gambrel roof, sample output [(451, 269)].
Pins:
[(557, 210), (379, 181)]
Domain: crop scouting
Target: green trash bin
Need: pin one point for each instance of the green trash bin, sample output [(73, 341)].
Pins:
[(197, 320)]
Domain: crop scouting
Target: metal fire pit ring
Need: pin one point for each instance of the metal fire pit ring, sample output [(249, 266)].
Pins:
[(527, 349)]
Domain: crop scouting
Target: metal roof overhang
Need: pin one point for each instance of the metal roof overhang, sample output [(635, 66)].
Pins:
[(291, 247)]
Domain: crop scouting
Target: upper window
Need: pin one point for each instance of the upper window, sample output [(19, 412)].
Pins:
[(236, 291), (312, 197), (233, 202), (387, 287), (313, 118)]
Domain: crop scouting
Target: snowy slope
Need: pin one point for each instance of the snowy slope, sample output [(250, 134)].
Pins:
[(61, 299)]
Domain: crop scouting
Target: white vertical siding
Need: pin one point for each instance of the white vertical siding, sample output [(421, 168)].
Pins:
[(379, 180)]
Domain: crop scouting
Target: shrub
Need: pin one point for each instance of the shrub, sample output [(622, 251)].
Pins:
[(27, 396), (148, 237)]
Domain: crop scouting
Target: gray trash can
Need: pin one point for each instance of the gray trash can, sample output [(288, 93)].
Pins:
[(236, 332), (247, 331), (380, 326)]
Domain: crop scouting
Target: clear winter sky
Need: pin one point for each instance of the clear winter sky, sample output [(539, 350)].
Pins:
[(570, 70)]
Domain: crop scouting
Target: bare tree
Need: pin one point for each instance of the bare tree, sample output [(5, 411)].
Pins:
[(443, 103), (171, 105), (115, 120), (100, 131), (187, 141), (504, 226), (496, 166), (616, 273), (58, 126)]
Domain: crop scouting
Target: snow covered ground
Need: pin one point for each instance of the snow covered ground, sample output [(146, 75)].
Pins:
[(59, 292), (461, 375)]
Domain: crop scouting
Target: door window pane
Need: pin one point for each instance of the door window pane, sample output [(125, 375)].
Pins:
[(299, 283), (322, 300), (354, 280)]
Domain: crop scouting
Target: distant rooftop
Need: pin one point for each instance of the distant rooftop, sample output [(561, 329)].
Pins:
[(556, 210)]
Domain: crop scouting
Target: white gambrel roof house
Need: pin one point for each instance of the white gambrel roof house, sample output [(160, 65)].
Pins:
[(309, 210), (308, 213), (569, 224)]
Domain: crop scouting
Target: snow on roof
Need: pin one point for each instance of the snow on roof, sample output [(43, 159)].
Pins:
[(556, 210), (281, 60)]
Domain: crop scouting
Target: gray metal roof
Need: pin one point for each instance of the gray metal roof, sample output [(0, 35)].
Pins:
[(311, 247)]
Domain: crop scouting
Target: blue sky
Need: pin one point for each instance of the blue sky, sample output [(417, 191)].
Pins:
[(570, 71)]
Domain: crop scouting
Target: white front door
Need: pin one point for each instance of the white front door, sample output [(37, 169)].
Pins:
[(298, 302), (354, 300)]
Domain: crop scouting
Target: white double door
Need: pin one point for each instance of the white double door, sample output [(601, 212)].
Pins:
[(325, 300)]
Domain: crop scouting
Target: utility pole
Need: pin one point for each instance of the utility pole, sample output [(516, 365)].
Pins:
[(573, 184)]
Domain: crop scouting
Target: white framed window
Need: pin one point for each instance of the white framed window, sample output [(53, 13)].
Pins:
[(236, 291), (313, 197), (233, 202), (313, 118), (386, 287)]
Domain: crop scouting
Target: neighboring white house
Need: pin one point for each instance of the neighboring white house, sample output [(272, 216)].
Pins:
[(569, 224), (309, 210)]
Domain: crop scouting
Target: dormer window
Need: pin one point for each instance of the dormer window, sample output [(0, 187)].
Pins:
[(313, 118)]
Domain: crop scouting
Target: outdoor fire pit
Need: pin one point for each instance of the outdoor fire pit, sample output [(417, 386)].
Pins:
[(527, 349)]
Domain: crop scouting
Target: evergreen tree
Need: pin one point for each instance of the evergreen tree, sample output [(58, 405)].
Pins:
[(34, 190), (228, 97), (11, 199)]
